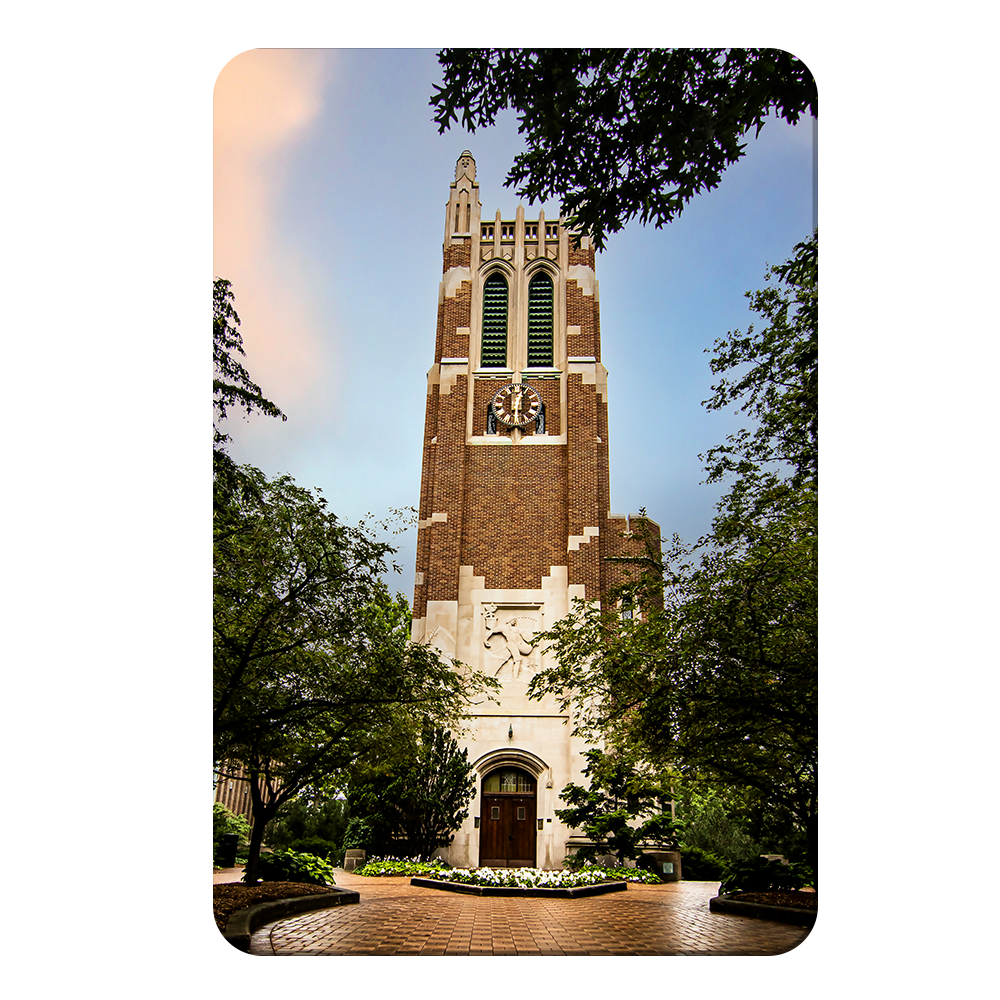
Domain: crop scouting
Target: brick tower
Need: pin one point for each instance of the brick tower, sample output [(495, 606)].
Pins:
[(514, 518)]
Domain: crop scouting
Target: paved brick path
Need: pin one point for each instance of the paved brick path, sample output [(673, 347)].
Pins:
[(395, 918)]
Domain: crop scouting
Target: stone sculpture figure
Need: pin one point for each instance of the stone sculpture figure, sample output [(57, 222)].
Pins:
[(519, 639)]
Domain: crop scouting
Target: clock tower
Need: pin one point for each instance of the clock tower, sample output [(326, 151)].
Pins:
[(514, 517)]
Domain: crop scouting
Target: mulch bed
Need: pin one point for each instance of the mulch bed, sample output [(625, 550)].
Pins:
[(228, 897), (790, 897)]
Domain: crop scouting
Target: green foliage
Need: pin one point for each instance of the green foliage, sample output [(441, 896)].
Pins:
[(620, 793), (378, 867), (702, 866), (719, 680), (359, 834), (418, 797), (718, 820), (775, 379), (315, 670), (329, 850), (761, 874), (617, 134), (314, 824), (232, 387), (577, 862), (224, 821), (643, 875), (291, 866)]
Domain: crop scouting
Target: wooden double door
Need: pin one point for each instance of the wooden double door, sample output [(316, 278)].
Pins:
[(508, 821)]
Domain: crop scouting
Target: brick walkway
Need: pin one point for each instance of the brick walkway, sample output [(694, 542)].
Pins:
[(395, 918)]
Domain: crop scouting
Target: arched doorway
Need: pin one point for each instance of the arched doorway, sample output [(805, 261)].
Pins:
[(507, 830)]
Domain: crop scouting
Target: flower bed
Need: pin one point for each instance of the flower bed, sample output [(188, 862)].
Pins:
[(539, 878), (381, 867), (513, 878)]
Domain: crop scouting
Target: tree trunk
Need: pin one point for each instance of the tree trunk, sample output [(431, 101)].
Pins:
[(253, 854), (262, 815)]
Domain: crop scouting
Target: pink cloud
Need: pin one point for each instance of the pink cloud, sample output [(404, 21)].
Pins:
[(265, 102)]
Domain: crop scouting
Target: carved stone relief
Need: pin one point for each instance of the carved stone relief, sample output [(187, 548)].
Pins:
[(510, 638)]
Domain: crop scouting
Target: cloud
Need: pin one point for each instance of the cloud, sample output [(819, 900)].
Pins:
[(266, 100)]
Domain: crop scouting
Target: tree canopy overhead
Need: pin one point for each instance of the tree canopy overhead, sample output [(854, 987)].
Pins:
[(618, 134)]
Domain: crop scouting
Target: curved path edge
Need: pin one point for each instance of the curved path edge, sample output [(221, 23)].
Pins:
[(562, 892), (739, 908), (241, 925)]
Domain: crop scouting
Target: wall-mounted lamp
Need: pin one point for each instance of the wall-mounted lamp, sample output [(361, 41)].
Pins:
[(510, 732)]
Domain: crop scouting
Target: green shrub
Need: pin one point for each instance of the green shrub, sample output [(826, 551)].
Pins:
[(308, 823), (717, 821), (394, 866), (761, 874), (698, 865), (322, 848), (633, 875), (224, 821), (290, 866), (358, 835)]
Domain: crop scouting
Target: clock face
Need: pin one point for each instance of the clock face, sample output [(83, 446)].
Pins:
[(516, 405)]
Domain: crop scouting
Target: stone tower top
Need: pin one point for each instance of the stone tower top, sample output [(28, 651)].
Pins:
[(466, 166), (462, 213)]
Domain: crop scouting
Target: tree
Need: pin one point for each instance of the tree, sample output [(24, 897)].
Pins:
[(622, 133), (721, 679), (313, 658), (775, 379), (621, 793), (419, 799), (232, 387)]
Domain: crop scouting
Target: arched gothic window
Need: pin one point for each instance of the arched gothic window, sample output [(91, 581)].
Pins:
[(540, 321), (508, 780), (494, 352)]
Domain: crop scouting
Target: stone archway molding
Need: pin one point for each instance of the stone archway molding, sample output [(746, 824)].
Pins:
[(510, 757)]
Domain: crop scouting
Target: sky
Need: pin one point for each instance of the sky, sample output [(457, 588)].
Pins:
[(330, 183)]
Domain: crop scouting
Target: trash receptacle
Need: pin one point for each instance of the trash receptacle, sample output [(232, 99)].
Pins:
[(668, 864), (226, 858)]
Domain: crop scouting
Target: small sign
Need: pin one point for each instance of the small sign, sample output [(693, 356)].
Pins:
[(668, 867)]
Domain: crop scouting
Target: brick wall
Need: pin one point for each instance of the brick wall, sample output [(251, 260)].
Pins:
[(580, 312), (515, 514)]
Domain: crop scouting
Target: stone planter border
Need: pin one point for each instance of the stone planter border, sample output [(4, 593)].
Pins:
[(562, 892), (243, 923), (785, 914)]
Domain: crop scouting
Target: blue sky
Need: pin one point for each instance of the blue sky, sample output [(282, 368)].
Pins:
[(331, 180)]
